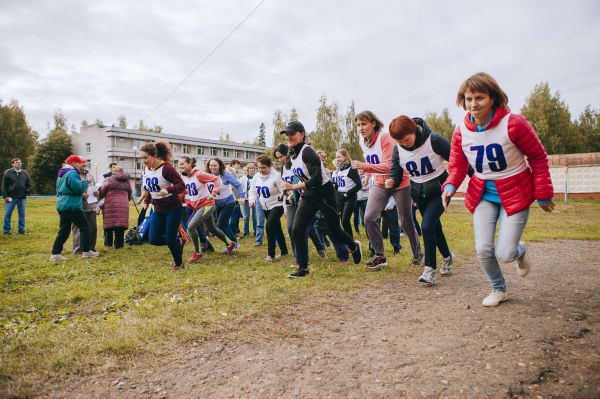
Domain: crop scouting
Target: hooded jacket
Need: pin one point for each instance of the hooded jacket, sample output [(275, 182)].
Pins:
[(117, 193), (69, 188)]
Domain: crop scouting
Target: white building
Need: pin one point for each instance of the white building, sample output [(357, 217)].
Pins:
[(103, 145)]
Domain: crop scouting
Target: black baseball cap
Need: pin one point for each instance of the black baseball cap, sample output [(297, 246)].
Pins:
[(293, 127)]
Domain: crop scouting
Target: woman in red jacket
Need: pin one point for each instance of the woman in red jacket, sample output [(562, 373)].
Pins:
[(511, 171)]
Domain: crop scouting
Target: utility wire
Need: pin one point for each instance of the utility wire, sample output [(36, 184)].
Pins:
[(205, 59)]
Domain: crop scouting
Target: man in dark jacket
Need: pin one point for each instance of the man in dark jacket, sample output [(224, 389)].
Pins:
[(15, 188)]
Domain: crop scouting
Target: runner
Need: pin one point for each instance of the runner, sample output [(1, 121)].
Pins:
[(377, 148), (201, 200), (347, 182), (162, 187), (422, 154), (318, 194), (511, 171)]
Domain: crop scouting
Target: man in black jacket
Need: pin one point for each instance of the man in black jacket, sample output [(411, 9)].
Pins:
[(15, 187)]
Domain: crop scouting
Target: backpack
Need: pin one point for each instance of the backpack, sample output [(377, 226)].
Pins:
[(133, 237)]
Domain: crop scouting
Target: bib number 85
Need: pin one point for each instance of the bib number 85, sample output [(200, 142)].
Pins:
[(494, 154)]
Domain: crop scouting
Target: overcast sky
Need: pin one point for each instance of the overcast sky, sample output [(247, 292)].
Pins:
[(100, 59)]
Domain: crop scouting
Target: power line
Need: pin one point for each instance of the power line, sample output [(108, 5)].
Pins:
[(205, 59)]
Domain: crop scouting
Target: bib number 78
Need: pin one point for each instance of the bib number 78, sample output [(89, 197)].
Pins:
[(494, 154)]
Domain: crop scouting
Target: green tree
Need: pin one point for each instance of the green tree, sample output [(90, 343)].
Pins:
[(293, 115), (328, 134), (551, 119), (351, 137), (99, 122), (441, 124), (280, 120), (262, 135), (588, 127), (122, 121), (16, 136), (50, 155)]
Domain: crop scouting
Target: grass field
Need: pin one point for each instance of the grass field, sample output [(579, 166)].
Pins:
[(59, 319)]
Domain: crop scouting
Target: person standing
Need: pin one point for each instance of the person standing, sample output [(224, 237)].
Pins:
[(248, 212), (89, 203), (377, 148), (69, 190), (511, 172), (16, 186), (116, 191)]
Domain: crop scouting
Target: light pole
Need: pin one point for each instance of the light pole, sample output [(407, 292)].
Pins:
[(134, 172), (96, 166)]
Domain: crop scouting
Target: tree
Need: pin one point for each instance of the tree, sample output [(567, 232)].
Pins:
[(16, 136), (143, 128), (84, 123), (293, 115), (262, 135), (588, 127), (351, 140), (551, 119), (50, 155), (280, 121), (328, 134), (441, 124), (122, 121), (99, 122)]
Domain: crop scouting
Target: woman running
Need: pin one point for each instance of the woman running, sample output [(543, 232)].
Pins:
[(511, 171), (268, 187), (347, 182), (318, 194), (202, 202), (225, 201), (162, 186), (422, 154), (377, 148)]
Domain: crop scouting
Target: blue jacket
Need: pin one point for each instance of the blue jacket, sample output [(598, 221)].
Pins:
[(226, 179), (69, 188)]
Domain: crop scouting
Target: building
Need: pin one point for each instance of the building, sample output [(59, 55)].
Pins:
[(103, 145)]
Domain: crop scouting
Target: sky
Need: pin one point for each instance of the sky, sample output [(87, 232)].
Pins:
[(101, 59)]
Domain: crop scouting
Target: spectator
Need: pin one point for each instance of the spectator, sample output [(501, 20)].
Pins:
[(116, 191), (89, 203), (15, 187)]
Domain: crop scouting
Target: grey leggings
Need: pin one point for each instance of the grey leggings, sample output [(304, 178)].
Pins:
[(204, 216), (378, 198)]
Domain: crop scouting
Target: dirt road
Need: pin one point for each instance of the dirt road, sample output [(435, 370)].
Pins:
[(402, 340)]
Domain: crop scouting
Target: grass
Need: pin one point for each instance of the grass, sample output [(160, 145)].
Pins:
[(69, 318)]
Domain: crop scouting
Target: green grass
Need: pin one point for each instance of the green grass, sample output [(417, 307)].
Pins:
[(68, 318)]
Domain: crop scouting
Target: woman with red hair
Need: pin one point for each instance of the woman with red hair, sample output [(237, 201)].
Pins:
[(422, 153), (511, 171)]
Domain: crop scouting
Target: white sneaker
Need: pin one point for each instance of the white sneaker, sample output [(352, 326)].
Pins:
[(522, 262), (57, 258), (90, 254), (428, 276), (494, 298), (446, 263), (271, 259)]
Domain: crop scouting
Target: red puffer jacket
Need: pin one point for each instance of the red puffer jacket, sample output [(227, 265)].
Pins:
[(516, 192), (117, 192)]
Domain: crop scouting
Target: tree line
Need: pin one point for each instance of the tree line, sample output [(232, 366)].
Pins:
[(334, 128)]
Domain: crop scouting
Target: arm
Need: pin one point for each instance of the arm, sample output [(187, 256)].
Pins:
[(177, 186), (4, 186), (313, 163), (396, 171), (27, 183), (353, 174), (75, 184), (458, 164), (228, 178), (252, 192), (387, 146), (441, 146), (104, 190)]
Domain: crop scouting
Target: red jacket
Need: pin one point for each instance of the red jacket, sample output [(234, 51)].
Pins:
[(516, 192)]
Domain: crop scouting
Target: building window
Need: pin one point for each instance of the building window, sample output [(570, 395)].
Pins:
[(174, 147), (214, 151), (226, 152), (121, 159), (88, 147), (184, 148), (200, 150)]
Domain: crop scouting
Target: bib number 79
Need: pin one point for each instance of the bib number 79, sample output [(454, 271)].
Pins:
[(494, 154)]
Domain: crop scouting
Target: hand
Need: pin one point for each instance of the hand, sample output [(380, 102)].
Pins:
[(548, 207), (389, 183), (7, 199), (241, 201), (144, 205), (96, 193), (365, 181), (357, 164), (85, 196), (446, 195), (139, 201), (288, 186), (251, 204), (163, 192)]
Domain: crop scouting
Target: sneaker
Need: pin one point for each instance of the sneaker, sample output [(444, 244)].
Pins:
[(397, 250), (90, 254), (428, 276), (322, 254), (195, 256), (522, 262), (377, 262), (224, 250), (177, 268), (271, 258), (417, 260), (446, 263), (258, 244), (57, 258), (299, 273), (295, 265), (494, 298), (235, 248), (231, 247), (357, 253)]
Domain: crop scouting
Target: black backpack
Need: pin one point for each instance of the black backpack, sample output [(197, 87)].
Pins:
[(133, 237)]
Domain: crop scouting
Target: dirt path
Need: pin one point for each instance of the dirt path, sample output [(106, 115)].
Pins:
[(402, 340)]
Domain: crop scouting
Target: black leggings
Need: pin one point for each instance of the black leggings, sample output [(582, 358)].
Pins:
[(433, 236), (274, 231), (325, 201), (119, 235), (347, 205)]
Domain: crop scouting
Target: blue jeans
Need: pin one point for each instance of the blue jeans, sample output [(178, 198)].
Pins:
[(224, 218), (249, 212), (8, 211), (260, 223), (507, 249), (234, 220), (163, 230)]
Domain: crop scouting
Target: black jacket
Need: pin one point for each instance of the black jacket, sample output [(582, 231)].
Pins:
[(15, 185)]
